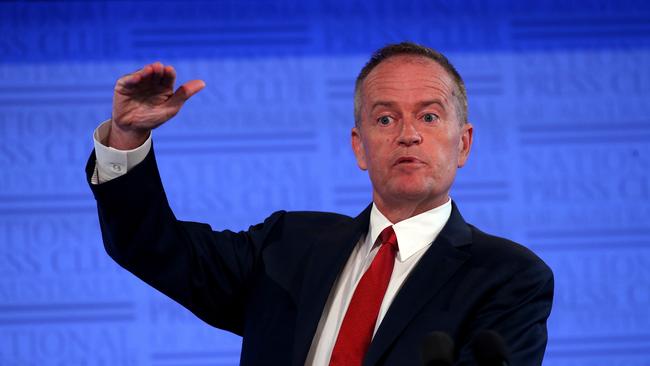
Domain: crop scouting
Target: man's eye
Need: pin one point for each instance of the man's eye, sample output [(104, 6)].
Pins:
[(384, 120), (430, 117)]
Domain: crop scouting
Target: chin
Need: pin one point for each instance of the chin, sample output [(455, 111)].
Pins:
[(411, 192)]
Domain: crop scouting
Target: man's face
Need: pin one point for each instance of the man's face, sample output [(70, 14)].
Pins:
[(409, 138)]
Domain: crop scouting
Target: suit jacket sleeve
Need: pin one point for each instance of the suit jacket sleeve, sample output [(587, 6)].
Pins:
[(203, 270)]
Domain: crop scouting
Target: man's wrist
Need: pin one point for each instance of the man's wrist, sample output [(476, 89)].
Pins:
[(122, 139)]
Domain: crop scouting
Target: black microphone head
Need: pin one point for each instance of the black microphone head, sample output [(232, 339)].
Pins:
[(490, 349), (437, 349)]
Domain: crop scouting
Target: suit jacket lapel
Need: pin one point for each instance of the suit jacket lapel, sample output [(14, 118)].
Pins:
[(435, 268), (326, 261)]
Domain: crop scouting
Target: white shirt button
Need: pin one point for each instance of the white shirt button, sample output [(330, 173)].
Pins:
[(116, 167)]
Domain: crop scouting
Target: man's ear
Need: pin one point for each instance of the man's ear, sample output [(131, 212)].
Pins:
[(465, 143), (359, 150)]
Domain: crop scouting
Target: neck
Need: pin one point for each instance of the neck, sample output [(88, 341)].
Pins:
[(400, 211)]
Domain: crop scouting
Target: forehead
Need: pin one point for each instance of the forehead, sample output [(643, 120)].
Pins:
[(407, 79)]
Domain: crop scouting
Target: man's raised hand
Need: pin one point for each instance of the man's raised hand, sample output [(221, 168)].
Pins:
[(143, 101)]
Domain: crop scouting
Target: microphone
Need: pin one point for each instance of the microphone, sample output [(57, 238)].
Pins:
[(437, 349), (489, 349)]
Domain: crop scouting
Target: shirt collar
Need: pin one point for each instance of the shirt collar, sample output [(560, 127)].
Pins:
[(414, 233)]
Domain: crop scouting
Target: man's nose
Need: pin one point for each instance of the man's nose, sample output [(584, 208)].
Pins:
[(409, 134)]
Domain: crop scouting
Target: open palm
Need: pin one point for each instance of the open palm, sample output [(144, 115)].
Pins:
[(144, 100)]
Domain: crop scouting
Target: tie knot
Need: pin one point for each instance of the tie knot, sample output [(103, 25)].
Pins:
[(388, 237)]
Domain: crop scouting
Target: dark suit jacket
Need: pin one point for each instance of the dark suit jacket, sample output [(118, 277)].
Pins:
[(269, 284)]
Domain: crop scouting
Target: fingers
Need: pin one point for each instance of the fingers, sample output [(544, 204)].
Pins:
[(145, 74), (158, 69), (169, 77), (129, 81), (185, 91)]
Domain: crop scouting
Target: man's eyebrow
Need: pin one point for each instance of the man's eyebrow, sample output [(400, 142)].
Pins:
[(382, 103), (422, 104), (427, 103)]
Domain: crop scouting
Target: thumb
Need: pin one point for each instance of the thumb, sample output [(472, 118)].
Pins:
[(185, 91)]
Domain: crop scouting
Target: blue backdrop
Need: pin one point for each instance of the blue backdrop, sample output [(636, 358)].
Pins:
[(559, 96)]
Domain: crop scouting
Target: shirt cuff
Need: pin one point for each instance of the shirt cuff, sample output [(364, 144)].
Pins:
[(111, 163)]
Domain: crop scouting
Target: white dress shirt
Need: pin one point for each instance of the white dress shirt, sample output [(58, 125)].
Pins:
[(414, 236)]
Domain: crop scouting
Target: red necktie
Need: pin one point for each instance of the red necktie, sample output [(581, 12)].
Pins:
[(359, 321)]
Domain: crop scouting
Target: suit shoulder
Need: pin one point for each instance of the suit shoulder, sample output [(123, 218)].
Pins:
[(301, 222), (311, 219), (496, 249)]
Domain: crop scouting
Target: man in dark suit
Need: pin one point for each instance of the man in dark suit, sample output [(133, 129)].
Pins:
[(320, 288)]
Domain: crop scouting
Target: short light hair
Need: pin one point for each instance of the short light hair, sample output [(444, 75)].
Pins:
[(412, 49)]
